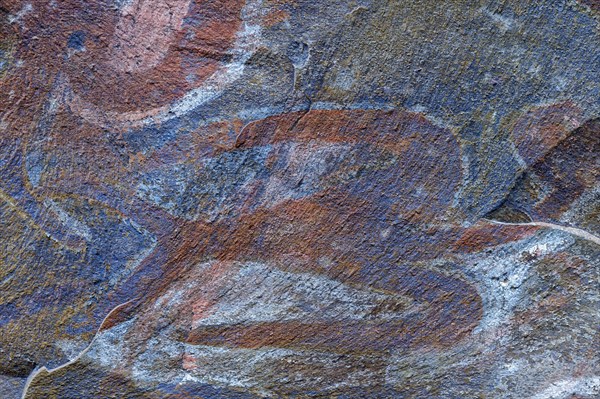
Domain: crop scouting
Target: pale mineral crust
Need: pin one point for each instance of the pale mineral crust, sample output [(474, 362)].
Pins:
[(299, 199)]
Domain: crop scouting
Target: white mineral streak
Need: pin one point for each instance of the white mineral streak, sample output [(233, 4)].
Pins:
[(248, 368), (571, 230), (75, 226), (258, 293), (37, 371), (565, 388), (505, 274), (27, 8)]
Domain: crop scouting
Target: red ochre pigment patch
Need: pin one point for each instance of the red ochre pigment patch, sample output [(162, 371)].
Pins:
[(486, 235), (133, 59), (542, 128), (125, 73), (343, 224)]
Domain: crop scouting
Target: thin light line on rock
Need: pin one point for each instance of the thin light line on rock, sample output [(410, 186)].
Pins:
[(35, 372), (571, 230)]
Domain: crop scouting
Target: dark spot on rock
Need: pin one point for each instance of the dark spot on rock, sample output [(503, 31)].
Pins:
[(76, 40), (18, 366), (593, 4), (507, 214)]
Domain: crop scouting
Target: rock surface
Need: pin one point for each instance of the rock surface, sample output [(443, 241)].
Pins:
[(299, 199)]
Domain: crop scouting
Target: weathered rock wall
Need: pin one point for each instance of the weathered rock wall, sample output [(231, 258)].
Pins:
[(292, 198)]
